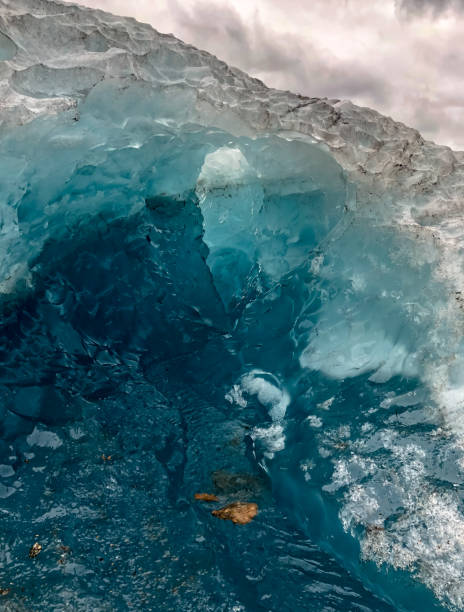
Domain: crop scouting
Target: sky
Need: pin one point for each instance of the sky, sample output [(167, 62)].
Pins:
[(405, 58)]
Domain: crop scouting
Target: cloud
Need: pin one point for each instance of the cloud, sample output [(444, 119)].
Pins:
[(282, 59), (430, 7), (249, 42)]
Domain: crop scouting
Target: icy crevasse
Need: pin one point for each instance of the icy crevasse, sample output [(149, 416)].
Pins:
[(319, 241)]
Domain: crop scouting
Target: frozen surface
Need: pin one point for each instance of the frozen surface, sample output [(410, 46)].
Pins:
[(208, 285)]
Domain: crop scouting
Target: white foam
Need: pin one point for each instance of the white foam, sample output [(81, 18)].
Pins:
[(266, 388), (408, 522), (270, 395), (44, 439), (273, 437), (314, 421)]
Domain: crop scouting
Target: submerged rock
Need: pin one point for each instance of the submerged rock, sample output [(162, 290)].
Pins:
[(207, 497), (240, 513), (229, 483), (35, 550)]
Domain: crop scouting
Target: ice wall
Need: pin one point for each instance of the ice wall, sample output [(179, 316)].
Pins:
[(322, 241)]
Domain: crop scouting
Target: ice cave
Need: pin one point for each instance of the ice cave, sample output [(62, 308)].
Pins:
[(212, 288)]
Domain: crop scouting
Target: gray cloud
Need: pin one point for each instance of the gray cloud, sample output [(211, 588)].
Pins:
[(279, 58), (431, 7), (249, 43)]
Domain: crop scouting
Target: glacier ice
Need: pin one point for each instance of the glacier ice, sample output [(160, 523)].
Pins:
[(201, 275)]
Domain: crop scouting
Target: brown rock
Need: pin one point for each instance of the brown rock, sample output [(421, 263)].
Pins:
[(240, 513), (207, 497), (35, 550)]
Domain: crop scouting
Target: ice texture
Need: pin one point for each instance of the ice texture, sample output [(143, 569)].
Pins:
[(200, 275)]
